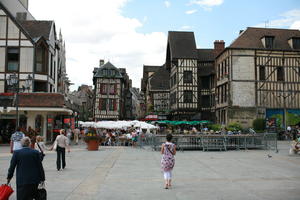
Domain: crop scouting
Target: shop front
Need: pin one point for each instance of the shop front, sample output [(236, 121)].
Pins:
[(37, 115)]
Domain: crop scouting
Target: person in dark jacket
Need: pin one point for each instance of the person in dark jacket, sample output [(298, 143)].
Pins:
[(30, 171)]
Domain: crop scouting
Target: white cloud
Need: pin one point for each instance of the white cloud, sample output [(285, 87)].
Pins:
[(289, 19), (97, 30), (167, 4), (185, 28), (207, 4), (295, 25), (189, 12)]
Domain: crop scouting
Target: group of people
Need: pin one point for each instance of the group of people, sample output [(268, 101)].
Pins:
[(28, 162), (27, 159), (29, 168), (110, 137)]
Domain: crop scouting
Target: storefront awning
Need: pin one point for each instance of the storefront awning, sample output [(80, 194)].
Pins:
[(43, 109)]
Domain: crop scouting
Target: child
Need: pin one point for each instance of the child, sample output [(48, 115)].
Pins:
[(40, 142)]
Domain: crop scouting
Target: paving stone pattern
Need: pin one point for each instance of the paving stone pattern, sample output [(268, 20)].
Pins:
[(134, 173)]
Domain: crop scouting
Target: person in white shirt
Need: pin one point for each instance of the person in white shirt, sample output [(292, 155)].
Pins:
[(76, 135), (15, 140), (61, 143)]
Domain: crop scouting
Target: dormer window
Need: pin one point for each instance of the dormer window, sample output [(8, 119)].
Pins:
[(269, 42), (296, 43)]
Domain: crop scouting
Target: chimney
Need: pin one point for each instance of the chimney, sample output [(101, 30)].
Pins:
[(21, 16), (101, 62), (24, 3), (219, 46)]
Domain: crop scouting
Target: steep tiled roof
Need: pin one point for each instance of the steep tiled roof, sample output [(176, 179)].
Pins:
[(160, 79), (105, 71), (37, 28), (205, 55), (251, 38), (182, 45)]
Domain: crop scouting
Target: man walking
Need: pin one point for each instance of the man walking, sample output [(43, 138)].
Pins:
[(30, 171), (76, 135), (61, 145), (15, 140)]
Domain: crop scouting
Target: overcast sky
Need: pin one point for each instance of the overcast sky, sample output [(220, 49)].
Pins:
[(133, 33)]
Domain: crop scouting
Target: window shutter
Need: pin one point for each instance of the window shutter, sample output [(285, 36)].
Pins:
[(111, 89), (115, 105), (115, 89), (101, 88), (100, 104)]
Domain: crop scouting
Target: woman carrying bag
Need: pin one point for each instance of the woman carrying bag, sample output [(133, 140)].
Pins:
[(60, 145), (168, 150)]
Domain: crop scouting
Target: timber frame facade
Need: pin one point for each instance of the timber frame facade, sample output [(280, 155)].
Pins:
[(182, 63), (108, 92), (183, 91), (190, 75), (159, 91), (257, 78), (30, 49)]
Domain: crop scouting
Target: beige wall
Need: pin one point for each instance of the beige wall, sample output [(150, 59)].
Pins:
[(26, 59), (13, 30), (243, 116), (2, 27), (243, 68), (243, 94), (1, 86), (2, 59)]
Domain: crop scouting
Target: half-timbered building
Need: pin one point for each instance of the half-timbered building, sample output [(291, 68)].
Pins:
[(258, 76), (181, 61), (148, 71), (108, 83), (29, 50), (159, 90), (206, 85)]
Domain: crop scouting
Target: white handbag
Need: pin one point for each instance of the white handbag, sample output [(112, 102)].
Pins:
[(54, 145)]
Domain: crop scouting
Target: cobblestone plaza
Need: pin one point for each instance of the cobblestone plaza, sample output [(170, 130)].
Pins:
[(134, 173)]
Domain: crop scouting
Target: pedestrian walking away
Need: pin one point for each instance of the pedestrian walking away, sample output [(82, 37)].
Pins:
[(61, 143), (168, 151), (30, 172), (76, 135), (40, 146), (15, 140)]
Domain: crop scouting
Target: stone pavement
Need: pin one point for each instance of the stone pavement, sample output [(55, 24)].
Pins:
[(134, 173)]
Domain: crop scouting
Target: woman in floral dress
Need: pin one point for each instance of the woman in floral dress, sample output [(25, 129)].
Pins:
[(168, 150)]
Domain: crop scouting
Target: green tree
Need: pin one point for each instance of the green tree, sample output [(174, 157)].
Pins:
[(259, 125)]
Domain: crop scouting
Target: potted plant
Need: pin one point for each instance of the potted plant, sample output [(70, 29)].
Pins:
[(92, 140)]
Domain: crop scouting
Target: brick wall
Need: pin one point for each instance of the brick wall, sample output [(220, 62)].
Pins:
[(41, 100)]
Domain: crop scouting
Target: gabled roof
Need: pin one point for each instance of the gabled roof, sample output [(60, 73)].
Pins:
[(182, 45), (37, 29), (206, 55), (251, 38), (102, 73), (151, 68), (160, 79)]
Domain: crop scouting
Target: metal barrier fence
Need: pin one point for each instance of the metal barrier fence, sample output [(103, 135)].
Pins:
[(267, 141)]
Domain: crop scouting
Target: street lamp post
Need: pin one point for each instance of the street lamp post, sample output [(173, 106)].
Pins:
[(289, 93), (13, 81)]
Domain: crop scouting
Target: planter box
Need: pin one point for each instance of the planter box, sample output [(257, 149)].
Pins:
[(93, 145)]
